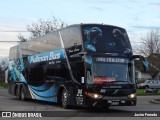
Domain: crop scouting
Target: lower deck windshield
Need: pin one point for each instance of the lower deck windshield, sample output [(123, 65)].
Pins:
[(105, 73)]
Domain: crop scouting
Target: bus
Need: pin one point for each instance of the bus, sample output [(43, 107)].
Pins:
[(87, 65)]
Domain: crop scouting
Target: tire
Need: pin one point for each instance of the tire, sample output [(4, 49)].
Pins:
[(146, 87), (64, 99), (22, 95), (18, 92), (105, 107)]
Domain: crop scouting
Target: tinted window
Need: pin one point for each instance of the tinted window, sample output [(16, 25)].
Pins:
[(14, 53), (45, 43), (36, 75), (71, 36), (57, 70), (103, 39)]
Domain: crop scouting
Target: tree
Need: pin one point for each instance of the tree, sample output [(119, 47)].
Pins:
[(4, 63), (22, 38), (154, 64), (150, 48), (3, 68), (42, 27), (150, 43)]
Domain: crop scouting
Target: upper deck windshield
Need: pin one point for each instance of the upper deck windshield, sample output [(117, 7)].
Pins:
[(105, 39)]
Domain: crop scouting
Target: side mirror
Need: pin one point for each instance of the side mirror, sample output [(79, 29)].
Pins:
[(145, 63), (82, 53), (143, 60)]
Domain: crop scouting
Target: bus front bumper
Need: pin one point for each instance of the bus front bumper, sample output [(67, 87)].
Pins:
[(110, 101)]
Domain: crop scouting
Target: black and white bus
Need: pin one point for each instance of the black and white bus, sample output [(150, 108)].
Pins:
[(88, 65)]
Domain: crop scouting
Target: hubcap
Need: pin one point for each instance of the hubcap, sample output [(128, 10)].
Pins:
[(64, 98)]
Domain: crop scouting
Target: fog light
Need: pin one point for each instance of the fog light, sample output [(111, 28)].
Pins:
[(132, 95)]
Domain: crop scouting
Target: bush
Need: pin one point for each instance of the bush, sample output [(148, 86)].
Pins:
[(3, 85)]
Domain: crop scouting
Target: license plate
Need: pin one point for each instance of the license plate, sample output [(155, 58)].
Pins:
[(115, 103)]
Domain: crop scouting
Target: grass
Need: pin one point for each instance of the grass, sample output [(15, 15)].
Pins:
[(3, 85), (141, 92)]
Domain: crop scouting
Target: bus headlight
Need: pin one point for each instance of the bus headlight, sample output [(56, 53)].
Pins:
[(133, 95), (93, 95)]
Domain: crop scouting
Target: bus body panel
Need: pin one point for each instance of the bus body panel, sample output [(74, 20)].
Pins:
[(62, 59)]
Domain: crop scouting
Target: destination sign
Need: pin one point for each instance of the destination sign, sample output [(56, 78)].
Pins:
[(109, 59)]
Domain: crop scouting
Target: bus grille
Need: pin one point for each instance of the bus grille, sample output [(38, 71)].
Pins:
[(115, 98)]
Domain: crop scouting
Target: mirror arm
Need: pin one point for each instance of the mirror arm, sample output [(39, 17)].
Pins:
[(143, 60), (136, 56)]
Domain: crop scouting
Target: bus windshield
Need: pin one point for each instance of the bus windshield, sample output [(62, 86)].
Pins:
[(110, 72), (104, 73)]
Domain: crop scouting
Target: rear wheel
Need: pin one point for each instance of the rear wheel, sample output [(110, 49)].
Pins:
[(22, 96), (65, 99), (18, 92)]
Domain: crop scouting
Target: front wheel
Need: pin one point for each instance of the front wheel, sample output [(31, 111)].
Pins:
[(65, 99)]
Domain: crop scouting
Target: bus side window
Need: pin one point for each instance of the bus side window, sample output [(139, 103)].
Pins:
[(57, 71), (78, 70), (36, 74)]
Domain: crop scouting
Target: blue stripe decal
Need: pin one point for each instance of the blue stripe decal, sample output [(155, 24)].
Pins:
[(19, 75), (45, 95), (42, 87)]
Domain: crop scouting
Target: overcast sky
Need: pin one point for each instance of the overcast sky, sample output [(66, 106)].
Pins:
[(136, 16)]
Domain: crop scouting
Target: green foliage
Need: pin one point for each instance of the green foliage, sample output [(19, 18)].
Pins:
[(3, 85), (141, 92)]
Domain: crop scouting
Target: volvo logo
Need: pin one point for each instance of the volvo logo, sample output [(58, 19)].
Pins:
[(115, 92)]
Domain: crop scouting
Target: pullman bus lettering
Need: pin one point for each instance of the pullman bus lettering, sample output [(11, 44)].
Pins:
[(43, 58), (88, 65)]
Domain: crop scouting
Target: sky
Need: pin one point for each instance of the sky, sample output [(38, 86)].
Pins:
[(136, 16)]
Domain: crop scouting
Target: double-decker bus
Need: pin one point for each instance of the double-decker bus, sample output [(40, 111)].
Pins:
[(88, 65)]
